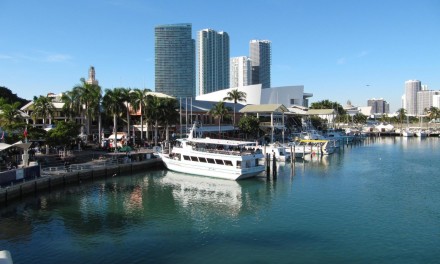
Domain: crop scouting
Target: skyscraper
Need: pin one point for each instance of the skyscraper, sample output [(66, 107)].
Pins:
[(213, 57), (411, 89), (379, 106), (240, 72), (260, 54), (175, 60)]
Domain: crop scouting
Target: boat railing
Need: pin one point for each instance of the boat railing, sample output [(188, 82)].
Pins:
[(226, 152)]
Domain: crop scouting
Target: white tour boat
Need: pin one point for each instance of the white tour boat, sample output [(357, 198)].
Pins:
[(218, 158)]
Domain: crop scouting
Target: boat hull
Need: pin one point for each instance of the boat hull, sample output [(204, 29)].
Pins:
[(221, 172)]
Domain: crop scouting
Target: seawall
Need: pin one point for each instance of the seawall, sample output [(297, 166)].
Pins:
[(48, 183)]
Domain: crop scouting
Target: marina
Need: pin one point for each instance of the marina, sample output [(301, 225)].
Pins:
[(375, 202)]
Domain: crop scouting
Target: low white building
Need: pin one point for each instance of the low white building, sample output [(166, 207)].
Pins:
[(285, 95)]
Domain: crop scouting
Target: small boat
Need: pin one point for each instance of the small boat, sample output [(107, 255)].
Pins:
[(407, 133), (320, 146), (280, 151), (298, 151), (421, 133), (217, 158)]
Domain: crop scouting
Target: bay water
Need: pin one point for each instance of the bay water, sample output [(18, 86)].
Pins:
[(374, 203)]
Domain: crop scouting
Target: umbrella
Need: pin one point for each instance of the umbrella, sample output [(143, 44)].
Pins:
[(125, 149)]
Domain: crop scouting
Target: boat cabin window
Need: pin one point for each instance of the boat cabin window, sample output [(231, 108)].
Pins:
[(201, 159), (211, 161), (219, 161), (228, 163), (194, 158), (238, 164), (186, 157)]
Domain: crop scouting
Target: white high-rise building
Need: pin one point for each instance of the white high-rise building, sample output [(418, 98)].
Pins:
[(425, 99), (260, 54), (411, 89), (213, 60), (240, 72)]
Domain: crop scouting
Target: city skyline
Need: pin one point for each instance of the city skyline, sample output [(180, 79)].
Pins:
[(339, 50)]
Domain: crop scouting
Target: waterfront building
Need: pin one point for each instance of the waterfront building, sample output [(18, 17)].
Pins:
[(92, 80), (256, 94), (240, 71), (411, 89), (175, 60), (260, 54), (436, 100), (425, 99), (213, 60), (379, 106)]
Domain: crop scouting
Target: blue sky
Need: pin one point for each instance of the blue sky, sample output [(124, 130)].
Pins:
[(339, 50)]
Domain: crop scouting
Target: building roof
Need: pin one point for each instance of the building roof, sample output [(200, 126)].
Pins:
[(264, 108), (321, 112)]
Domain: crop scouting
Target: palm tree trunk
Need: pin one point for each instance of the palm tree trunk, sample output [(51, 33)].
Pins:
[(128, 123), (142, 125), (115, 129), (167, 132), (155, 133)]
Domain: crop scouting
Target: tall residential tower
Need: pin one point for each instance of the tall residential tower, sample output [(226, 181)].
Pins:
[(260, 54), (213, 58), (241, 72), (411, 89), (175, 60)]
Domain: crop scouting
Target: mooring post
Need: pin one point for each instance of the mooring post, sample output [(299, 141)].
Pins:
[(274, 166), (292, 153), (268, 165)]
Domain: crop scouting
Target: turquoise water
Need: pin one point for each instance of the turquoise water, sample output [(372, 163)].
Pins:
[(376, 203)]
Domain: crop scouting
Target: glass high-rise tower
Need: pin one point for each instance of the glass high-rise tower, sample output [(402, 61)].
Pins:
[(174, 60), (213, 58), (260, 54)]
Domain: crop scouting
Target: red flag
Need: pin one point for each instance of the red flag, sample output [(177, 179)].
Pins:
[(25, 133)]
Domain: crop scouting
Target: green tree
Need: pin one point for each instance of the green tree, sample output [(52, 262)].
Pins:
[(250, 125), (168, 113), (10, 115), (432, 113), (89, 96), (139, 101), (114, 106), (401, 115), (43, 108), (219, 111), (127, 98), (327, 104), (64, 134), (72, 103), (235, 96), (360, 118)]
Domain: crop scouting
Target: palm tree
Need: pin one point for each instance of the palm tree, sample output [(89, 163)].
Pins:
[(126, 97), (153, 113), (432, 113), (168, 113), (219, 111), (401, 115), (71, 106), (10, 114), (236, 96), (139, 100), (113, 104), (89, 96), (43, 107)]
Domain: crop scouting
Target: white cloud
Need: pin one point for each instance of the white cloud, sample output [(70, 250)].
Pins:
[(58, 57), (341, 60), (5, 57), (362, 54)]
